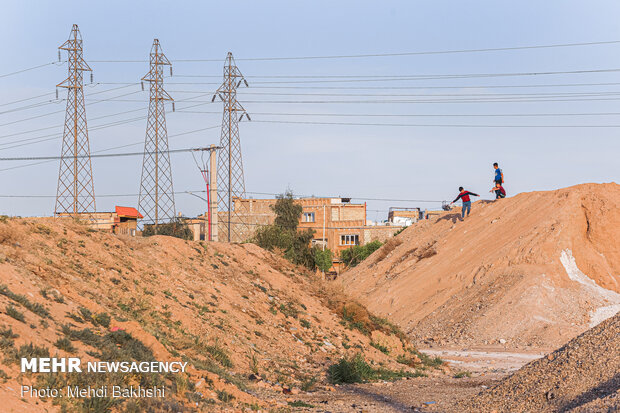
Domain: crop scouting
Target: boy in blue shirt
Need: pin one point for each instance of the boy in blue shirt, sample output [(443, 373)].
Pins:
[(499, 175)]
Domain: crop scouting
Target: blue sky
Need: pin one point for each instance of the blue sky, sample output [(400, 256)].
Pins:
[(396, 162)]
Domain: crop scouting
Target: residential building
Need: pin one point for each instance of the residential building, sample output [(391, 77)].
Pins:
[(405, 216), (124, 220), (337, 223)]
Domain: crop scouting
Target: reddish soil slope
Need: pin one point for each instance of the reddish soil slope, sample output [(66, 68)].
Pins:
[(231, 311), (535, 269)]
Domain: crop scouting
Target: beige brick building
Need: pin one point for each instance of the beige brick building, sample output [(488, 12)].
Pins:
[(337, 223)]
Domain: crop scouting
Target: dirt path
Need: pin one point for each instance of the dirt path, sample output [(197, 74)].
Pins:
[(489, 360), (436, 393)]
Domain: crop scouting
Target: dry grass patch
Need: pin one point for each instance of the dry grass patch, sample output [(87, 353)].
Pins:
[(388, 247)]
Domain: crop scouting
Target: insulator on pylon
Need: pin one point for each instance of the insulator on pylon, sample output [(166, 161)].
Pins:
[(246, 83), (173, 106), (56, 93), (142, 85), (248, 116), (239, 83), (59, 57), (170, 70), (213, 99), (92, 77)]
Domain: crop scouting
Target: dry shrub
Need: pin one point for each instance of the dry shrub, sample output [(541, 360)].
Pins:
[(388, 247), (427, 252), (355, 314), (8, 234)]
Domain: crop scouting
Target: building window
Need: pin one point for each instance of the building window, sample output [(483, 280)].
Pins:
[(350, 239), (308, 216)]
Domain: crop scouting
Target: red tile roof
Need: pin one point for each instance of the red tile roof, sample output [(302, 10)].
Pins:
[(128, 212)]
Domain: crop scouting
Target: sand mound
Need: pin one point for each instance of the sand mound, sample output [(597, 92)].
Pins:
[(250, 325), (535, 269), (582, 376)]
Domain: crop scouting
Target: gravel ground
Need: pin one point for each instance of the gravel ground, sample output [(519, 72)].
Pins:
[(582, 376), (440, 392), (424, 394)]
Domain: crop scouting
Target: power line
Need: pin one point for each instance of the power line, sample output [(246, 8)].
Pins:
[(468, 100), (25, 99), (30, 106), (433, 125), (489, 99), (27, 69), (48, 137), (547, 85), (493, 95), (418, 114), (418, 76), (371, 55), (115, 147), (106, 155), (62, 111)]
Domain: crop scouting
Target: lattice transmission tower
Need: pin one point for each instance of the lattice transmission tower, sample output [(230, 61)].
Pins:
[(230, 180), (75, 193), (156, 201)]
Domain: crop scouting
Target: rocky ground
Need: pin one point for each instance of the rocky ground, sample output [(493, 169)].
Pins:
[(469, 372), (583, 375)]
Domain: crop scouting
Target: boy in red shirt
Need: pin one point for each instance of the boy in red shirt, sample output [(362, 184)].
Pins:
[(500, 192), (464, 196)]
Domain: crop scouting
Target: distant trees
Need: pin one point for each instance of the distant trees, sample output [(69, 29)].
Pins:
[(285, 237), (175, 228), (358, 253)]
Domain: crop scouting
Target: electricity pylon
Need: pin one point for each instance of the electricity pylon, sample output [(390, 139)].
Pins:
[(156, 201), (230, 180), (75, 193)]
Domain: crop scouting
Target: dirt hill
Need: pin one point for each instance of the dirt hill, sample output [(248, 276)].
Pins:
[(251, 326), (582, 376), (535, 269)]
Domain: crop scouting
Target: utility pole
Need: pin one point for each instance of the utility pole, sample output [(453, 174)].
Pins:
[(324, 239), (156, 202), (75, 193), (209, 178), (230, 178)]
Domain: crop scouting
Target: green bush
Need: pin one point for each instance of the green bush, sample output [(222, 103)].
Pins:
[(224, 396), (36, 308), (65, 344), (176, 229), (25, 351), (283, 235), (300, 403), (358, 253), (11, 311), (322, 258), (219, 354), (380, 347), (103, 319), (356, 370), (351, 370)]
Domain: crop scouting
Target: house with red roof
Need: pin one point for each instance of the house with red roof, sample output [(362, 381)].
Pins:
[(123, 220)]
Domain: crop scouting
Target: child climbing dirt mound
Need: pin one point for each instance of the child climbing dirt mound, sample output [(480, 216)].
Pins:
[(536, 269)]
